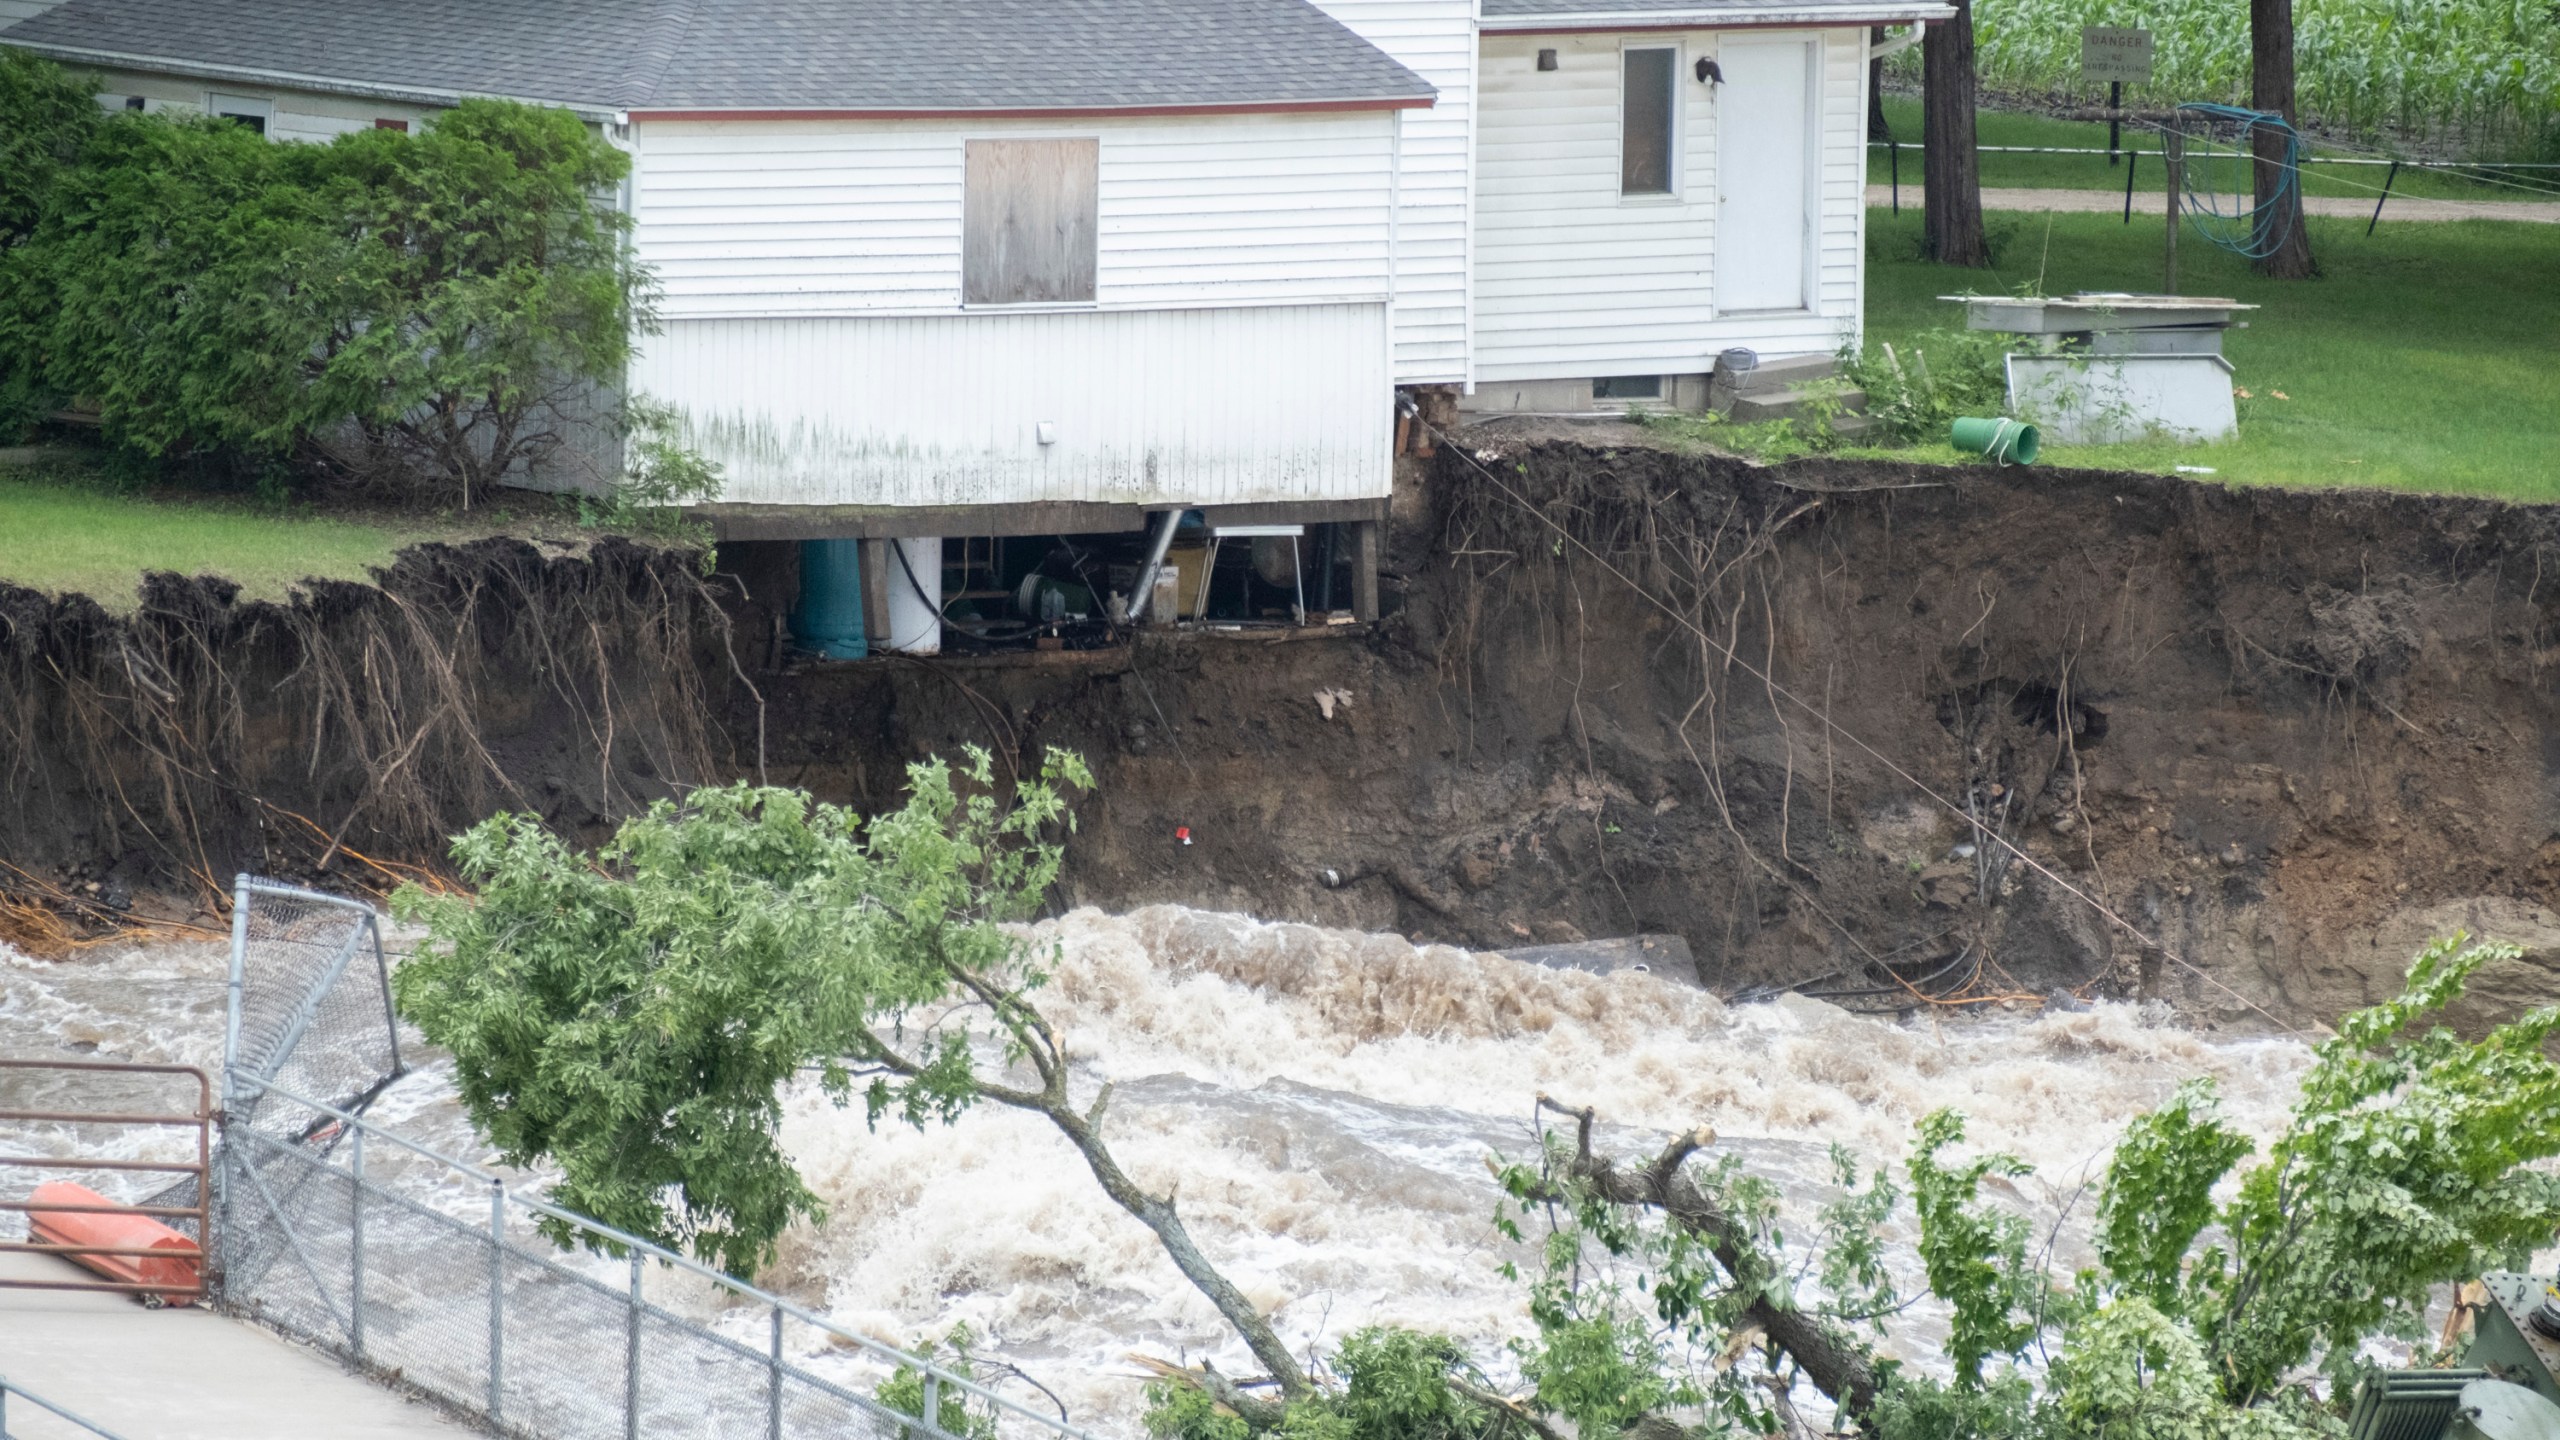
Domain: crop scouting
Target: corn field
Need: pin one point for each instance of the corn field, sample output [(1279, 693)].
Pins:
[(2485, 70)]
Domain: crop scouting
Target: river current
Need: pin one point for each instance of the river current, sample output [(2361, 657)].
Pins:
[(1322, 1104)]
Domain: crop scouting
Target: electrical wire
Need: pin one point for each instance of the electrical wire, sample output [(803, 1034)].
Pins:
[(2328, 177), (1738, 661)]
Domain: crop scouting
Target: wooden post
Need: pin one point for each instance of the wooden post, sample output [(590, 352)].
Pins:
[(2173, 150), (876, 563), (1364, 570)]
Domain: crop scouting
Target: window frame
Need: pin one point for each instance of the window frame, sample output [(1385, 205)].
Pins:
[(1675, 138), (1092, 301), (224, 105)]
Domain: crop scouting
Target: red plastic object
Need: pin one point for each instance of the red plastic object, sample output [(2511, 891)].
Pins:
[(140, 1236)]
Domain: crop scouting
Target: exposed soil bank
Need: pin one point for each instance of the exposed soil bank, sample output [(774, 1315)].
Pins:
[(145, 759), (2285, 734)]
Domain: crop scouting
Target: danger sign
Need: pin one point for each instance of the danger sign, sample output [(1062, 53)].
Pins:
[(2115, 52)]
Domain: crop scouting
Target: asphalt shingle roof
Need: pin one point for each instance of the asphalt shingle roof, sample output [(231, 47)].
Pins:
[(1568, 9), (764, 54)]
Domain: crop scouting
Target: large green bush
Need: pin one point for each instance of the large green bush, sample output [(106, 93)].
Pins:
[(440, 309)]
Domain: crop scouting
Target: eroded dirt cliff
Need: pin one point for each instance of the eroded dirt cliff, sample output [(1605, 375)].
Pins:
[(2254, 745)]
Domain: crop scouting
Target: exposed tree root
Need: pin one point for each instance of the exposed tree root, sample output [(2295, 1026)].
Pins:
[(201, 735)]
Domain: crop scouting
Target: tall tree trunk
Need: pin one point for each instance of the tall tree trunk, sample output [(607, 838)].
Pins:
[(2271, 88), (1952, 209), (1878, 128)]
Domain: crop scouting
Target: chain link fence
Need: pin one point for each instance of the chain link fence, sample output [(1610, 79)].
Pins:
[(432, 1274)]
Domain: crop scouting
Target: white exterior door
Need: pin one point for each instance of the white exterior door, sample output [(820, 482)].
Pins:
[(1764, 173)]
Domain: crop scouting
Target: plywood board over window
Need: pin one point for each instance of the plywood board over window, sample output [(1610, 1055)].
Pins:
[(1031, 220)]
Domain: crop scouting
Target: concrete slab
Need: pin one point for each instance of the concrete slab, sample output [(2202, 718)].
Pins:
[(168, 1374)]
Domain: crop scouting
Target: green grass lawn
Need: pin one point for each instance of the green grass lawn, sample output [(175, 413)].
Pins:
[(2426, 358), (62, 535), (2091, 172)]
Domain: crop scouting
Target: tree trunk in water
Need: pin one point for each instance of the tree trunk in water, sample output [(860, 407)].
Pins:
[(1950, 169), (1878, 128), (1837, 1364), (2280, 234), (1158, 1215)]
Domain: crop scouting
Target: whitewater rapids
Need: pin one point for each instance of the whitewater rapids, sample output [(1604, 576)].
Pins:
[(1322, 1103)]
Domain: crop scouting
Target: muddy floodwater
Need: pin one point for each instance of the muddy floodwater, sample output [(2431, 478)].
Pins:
[(1323, 1103)]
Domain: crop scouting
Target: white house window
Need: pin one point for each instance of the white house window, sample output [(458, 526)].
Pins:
[(242, 109), (1031, 214), (1647, 118)]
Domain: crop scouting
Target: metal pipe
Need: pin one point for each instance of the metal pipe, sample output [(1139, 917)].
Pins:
[(2383, 199), (1155, 562), (631, 1360), (355, 1245), (2132, 163), (67, 1162), (497, 1301), (239, 957), (773, 1388), (100, 1117), (2173, 151)]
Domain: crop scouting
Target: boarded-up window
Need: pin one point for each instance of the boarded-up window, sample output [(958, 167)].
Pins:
[(1030, 222), (1645, 116)]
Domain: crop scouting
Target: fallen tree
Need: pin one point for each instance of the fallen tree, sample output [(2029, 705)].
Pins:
[(634, 1014)]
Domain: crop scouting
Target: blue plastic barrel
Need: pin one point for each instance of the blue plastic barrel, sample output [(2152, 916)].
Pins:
[(828, 618)]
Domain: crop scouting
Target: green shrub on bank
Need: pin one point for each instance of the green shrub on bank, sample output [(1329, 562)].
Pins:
[(437, 310), (46, 116)]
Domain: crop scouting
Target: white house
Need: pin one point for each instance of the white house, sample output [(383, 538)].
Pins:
[(945, 267)]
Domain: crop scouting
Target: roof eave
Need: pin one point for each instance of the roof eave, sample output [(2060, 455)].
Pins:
[(595, 111), (1721, 17), (1050, 112)]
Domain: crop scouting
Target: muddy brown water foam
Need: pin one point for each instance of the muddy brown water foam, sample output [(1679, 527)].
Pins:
[(1322, 1102)]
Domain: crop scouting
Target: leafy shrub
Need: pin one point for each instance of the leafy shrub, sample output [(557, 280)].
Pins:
[(441, 309), (1916, 1407), (1976, 1257), (633, 1014), (1396, 1387), (1914, 391), (46, 116), (2409, 1160), (954, 1416)]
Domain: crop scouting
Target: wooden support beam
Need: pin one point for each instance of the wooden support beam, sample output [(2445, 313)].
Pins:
[(876, 563), (1364, 570), (736, 521)]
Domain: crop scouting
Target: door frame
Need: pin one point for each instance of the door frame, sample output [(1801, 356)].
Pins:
[(1809, 301)]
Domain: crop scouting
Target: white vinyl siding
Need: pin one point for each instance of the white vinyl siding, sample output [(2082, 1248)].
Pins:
[(1189, 406), (829, 217), (1575, 280), (1436, 40), (297, 115)]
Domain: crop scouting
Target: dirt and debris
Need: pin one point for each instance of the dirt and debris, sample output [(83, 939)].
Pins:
[(1882, 732)]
